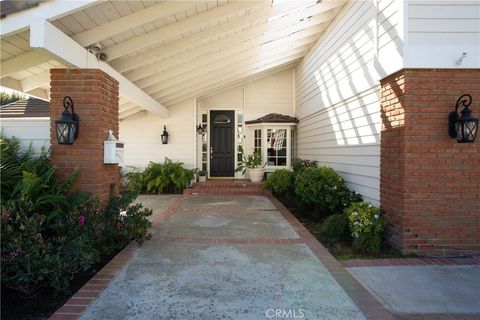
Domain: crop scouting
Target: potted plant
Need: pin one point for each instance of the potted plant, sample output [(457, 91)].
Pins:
[(202, 176), (252, 165)]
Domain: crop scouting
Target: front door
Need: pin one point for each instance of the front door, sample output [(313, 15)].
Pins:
[(222, 143)]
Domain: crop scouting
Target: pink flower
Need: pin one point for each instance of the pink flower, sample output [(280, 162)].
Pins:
[(81, 220), (7, 215)]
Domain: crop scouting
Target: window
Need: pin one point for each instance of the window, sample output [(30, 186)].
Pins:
[(276, 147), (204, 144), (292, 143), (240, 136), (257, 141), (222, 118)]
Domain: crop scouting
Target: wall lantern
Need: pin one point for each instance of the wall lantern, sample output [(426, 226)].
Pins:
[(67, 126), (463, 128), (201, 129), (165, 135)]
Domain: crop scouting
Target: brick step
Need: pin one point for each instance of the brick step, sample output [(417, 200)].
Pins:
[(232, 191), (223, 185)]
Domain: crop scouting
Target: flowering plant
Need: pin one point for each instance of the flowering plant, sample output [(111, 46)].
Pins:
[(366, 225)]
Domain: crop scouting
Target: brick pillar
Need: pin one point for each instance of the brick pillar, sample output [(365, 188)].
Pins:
[(95, 97), (429, 183)]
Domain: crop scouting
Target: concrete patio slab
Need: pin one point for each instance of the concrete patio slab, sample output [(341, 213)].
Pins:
[(424, 289), (201, 281), (157, 202), (243, 203), (227, 224)]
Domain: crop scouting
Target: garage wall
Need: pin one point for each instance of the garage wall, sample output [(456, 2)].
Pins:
[(34, 132)]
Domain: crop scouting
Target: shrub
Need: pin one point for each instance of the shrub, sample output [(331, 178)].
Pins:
[(298, 165), (167, 177), (48, 236), (335, 227), (367, 226), (320, 187), (118, 223), (280, 181)]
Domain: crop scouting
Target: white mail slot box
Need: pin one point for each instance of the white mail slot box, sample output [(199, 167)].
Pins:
[(112, 150)]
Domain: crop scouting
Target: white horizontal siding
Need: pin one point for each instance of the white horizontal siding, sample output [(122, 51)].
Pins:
[(440, 31), (337, 92), (142, 137), (272, 94), (34, 132)]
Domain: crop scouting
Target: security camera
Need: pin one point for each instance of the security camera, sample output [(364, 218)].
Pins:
[(94, 49), (102, 56)]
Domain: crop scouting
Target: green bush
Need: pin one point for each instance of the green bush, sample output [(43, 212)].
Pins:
[(280, 181), (367, 226), (335, 227), (167, 177), (118, 223), (48, 235), (298, 165), (320, 188)]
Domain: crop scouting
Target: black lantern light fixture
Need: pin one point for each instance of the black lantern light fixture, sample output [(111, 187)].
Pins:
[(164, 135), (67, 126), (201, 129), (463, 128)]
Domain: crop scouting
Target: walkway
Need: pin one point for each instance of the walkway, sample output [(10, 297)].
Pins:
[(229, 257)]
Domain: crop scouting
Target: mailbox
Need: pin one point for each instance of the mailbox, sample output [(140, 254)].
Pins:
[(112, 150)]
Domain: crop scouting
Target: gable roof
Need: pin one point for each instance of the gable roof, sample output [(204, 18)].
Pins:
[(273, 118), (28, 108)]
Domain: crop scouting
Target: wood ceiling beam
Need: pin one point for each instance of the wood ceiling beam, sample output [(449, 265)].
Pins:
[(228, 45), (134, 20), (23, 62), (231, 80), (45, 36), (235, 59), (186, 25), (213, 77)]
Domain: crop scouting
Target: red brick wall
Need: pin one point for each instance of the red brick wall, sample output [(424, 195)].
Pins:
[(95, 97), (429, 183)]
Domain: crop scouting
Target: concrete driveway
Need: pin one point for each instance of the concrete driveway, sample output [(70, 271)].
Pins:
[(226, 257)]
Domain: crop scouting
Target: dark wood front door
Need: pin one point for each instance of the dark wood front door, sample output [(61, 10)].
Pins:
[(222, 143)]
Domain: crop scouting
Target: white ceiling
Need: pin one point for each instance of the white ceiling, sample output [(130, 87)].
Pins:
[(176, 50)]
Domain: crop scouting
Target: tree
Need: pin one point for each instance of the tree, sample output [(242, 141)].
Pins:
[(6, 98)]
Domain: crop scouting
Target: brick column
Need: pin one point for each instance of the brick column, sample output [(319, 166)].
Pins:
[(429, 184), (95, 97)]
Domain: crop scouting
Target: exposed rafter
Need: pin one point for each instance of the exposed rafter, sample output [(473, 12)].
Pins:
[(213, 78), (22, 62), (39, 80), (130, 112), (158, 35), (210, 64), (231, 80), (227, 45), (47, 10), (131, 21), (44, 35), (254, 24)]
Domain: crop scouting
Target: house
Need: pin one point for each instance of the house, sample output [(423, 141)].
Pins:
[(368, 85)]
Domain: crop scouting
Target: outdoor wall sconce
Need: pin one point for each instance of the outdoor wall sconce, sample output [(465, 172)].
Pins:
[(164, 135), (67, 126), (463, 128), (201, 129)]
